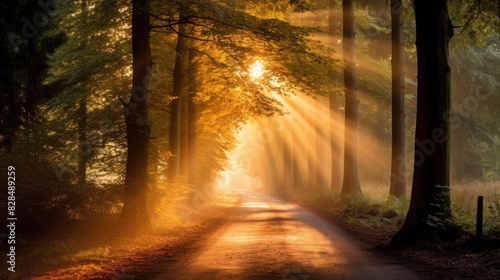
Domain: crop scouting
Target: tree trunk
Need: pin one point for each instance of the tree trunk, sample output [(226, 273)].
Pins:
[(288, 176), (174, 136), (192, 119), (134, 218), (398, 161), (298, 175), (335, 147), (183, 158), (351, 180), (311, 151), (275, 157), (429, 218), (320, 145), (83, 148)]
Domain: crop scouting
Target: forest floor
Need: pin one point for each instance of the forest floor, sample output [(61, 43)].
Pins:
[(457, 260), (83, 252), (65, 254)]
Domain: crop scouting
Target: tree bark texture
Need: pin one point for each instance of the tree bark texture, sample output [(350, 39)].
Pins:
[(192, 119), (335, 145), (174, 136), (83, 147), (429, 218), (134, 218), (398, 159), (351, 179)]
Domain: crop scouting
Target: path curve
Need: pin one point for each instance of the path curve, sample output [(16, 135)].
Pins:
[(267, 238)]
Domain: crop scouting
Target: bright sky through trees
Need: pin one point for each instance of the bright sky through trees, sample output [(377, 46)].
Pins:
[(257, 69)]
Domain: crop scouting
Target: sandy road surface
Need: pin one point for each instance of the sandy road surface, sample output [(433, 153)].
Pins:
[(267, 238)]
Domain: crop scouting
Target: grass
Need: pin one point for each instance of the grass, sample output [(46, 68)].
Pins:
[(464, 205), (377, 212)]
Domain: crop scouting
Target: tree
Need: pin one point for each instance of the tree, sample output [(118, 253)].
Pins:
[(351, 179), (175, 111), (192, 119), (27, 42), (311, 151), (83, 155), (295, 148), (479, 20), (320, 145), (336, 149), (429, 218), (134, 219), (288, 165), (91, 66), (398, 160)]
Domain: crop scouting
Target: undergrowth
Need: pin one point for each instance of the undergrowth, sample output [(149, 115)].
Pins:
[(464, 206), (374, 210), (367, 211), (82, 245)]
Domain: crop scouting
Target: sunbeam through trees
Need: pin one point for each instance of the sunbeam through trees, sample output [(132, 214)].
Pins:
[(201, 139)]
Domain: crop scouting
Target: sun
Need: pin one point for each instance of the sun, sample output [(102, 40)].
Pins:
[(257, 69)]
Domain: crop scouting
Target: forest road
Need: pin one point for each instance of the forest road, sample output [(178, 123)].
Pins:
[(267, 238)]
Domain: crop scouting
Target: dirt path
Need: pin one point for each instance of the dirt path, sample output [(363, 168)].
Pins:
[(267, 238)]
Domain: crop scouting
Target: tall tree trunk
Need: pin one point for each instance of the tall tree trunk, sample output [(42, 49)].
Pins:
[(398, 160), (298, 175), (134, 218), (183, 158), (192, 119), (83, 147), (311, 151), (288, 177), (335, 147), (351, 178), (429, 217), (175, 112), (320, 145), (275, 156)]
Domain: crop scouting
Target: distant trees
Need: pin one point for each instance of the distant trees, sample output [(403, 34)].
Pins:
[(320, 180), (29, 37), (90, 68), (429, 217), (288, 180)]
